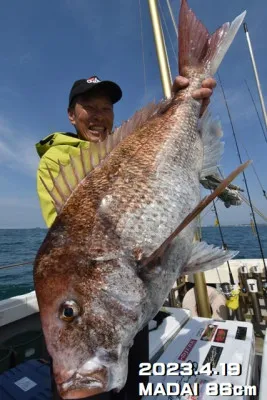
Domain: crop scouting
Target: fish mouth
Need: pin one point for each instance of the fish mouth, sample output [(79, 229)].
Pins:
[(80, 386)]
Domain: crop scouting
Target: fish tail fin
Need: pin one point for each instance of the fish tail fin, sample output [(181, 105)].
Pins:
[(199, 49)]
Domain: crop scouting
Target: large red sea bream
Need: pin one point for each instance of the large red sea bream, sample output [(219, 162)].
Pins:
[(109, 261)]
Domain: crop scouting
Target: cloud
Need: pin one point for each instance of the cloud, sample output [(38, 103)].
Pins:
[(16, 148)]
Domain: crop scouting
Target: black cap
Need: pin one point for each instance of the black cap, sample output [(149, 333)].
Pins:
[(85, 85)]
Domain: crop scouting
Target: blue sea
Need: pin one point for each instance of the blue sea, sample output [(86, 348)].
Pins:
[(19, 245)]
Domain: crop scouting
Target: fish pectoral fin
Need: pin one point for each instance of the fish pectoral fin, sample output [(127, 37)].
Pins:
[(205, 256), (211, 132), (152, 259)]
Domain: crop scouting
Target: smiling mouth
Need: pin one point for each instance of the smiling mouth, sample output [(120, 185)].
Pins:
[(97, 130)]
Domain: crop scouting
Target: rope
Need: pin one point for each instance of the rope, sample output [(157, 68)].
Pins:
[(262, 128), (254, 208), (167, 30), (17, 265), (172, 17), (143, 51), (255, 172)]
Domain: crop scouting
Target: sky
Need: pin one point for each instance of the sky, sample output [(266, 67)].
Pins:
[(46, 46)]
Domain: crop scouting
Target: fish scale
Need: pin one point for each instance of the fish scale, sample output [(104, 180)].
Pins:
[(125, 212)]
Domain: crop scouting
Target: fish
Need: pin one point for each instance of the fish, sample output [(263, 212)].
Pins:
[(126, 223)]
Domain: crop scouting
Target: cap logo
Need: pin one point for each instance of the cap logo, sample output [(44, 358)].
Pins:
[(93, 79)]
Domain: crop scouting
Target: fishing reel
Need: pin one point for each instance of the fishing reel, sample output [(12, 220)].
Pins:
[(231, 292), (227, 289)]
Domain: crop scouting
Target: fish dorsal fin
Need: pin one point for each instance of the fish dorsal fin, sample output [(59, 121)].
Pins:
[(157, 254), (78, 167)]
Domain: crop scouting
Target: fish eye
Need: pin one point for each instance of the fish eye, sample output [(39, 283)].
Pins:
[(69, 310)]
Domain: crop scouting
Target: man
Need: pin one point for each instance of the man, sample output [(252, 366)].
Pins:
[(90, 111)]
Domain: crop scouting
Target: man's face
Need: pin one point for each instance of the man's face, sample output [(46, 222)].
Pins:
[(92, 116)]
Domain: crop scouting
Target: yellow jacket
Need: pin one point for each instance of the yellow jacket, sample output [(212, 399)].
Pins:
[(57, 146)]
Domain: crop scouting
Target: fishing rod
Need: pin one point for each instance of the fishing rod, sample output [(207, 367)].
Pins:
[(244, 176), (253, 101), (16, 265), (231, 291), (255, 172), (208, 209), (223, 243), (256, 73)]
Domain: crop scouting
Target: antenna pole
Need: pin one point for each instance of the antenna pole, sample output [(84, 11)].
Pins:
[(164, 66)]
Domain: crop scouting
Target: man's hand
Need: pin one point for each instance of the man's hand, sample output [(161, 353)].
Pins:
[(201, 94)]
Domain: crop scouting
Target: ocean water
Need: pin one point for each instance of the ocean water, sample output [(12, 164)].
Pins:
[(19, 245)]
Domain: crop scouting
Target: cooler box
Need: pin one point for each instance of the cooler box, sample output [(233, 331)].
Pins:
[(203, 341), (160, 338), (27, 381)]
